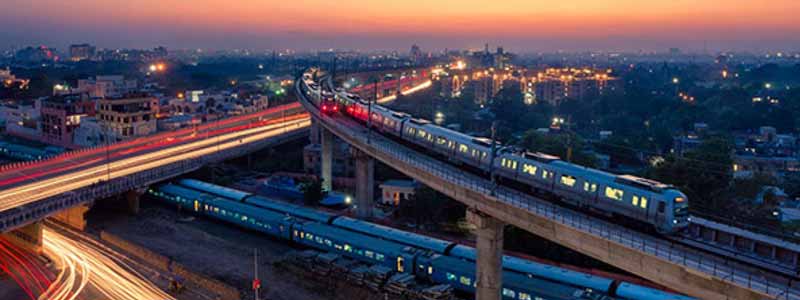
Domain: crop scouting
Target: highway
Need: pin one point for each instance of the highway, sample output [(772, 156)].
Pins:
[(29, 272), (90, 270), (92, 168)]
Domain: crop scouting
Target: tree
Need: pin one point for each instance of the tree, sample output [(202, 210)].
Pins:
[(312, 192), (702, 173)]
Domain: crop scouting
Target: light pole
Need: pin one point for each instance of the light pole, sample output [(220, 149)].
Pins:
[(492, 157)]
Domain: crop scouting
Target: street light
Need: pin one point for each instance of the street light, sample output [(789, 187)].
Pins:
[(676, 80)]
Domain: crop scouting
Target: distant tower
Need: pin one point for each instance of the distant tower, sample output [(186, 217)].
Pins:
[(486, 48), (415, 54)]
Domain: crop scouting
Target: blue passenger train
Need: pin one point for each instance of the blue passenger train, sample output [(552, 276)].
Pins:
[(395, 248)]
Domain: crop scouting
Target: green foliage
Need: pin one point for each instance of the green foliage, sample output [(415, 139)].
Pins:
[(557, 145), (312, 192), (429, 207), (702, 173)]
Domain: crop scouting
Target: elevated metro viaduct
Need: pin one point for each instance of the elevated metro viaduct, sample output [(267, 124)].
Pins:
[(490, 209), (23, 224)]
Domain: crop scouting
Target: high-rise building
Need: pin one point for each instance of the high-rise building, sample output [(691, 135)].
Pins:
[(416, 54), (128, 116), (81, 52)]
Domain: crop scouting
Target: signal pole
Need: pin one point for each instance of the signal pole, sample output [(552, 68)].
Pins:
[(256, 281)]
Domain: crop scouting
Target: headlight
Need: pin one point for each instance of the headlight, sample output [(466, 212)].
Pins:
[(675, 221), (348, 200)]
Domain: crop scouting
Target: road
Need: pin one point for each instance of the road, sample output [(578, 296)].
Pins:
[(30, 273), (143, 156), (90, 270)]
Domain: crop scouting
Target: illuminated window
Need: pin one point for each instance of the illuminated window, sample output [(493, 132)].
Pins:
[(440, 141), (430, 270), (568, 180), (379, 257), (348, 248), (463, 148), (643, 202), (613, 193), (369, 254), (524, 296), (451, 276), (465, 280), (530, 169), (590, 187), (509, 293), (547, 174), (338, 247), (400, 267), (328, 243)]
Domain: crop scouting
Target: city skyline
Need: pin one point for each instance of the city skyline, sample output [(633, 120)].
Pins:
[(520, 26)]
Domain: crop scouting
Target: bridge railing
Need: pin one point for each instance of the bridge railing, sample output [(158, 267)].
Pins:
[(26, 214), (780, 288)]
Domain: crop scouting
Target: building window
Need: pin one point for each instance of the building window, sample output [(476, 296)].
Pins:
[(613, 193)]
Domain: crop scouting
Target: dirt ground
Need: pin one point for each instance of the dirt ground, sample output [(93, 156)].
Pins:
[(218, 250)]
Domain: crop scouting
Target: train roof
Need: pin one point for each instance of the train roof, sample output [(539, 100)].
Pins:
[(643, 183), (539, 156), (214, 189), (632, 291), (396, 235), (535, 286), (289, 209), (355, 239), (183, 192), (540, 270)]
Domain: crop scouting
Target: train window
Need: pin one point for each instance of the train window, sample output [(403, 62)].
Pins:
[(466, 281), (379, 257), (451, 276), (400, 267), (348, 248), (441, 140), (369, 254), (451, 145), (509, 293), (547, 174), (328, 243), (337, 246), (302, 235), (568, 180), (530, 169), (524, 296), (318, 239), (430, 270), (613, 193), (463, 148), (640, 201)]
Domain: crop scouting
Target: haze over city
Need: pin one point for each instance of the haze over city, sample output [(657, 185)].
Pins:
[(520, 25)]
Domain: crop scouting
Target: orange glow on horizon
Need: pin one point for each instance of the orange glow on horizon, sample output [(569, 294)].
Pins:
[(582, 19)]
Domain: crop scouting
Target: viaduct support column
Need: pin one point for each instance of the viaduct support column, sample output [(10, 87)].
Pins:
[(365, 184), (132, 197), (326, 160), (28, 237), (489, 275), (73, 216)]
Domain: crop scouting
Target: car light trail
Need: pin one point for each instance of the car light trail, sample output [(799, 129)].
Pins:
[(407, 92), (21, 195), (25, 269), (84, 262)]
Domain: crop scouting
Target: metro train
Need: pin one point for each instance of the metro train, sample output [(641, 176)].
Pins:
[(514, 267), (662, 206)]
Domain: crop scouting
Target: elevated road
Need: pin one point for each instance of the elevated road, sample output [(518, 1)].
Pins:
[(41, 189), (675, 266)]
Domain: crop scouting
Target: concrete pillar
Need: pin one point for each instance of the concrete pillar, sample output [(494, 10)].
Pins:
[(489, 266), (132, 198), (314, 132), (365, 184), (74, 217), (326, 160), (28, 237)]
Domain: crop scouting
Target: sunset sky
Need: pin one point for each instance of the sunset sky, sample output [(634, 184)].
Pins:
[(520, 25)]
